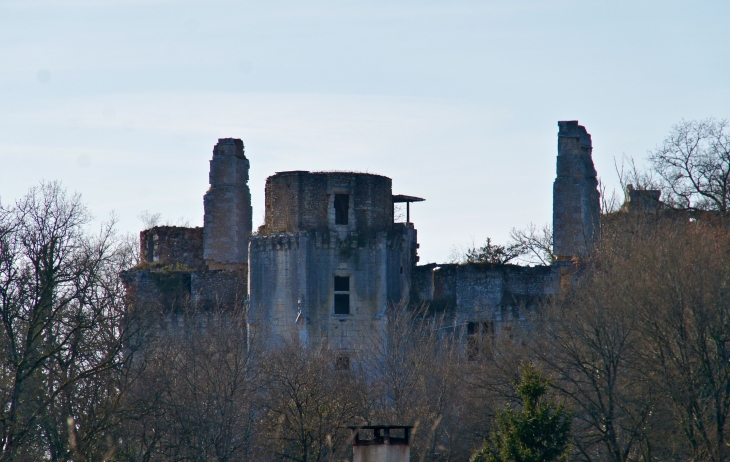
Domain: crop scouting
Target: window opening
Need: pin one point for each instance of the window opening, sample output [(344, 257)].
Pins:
[(479, 336), (150, 248), (342, 294), (342, 283), (342, 208)]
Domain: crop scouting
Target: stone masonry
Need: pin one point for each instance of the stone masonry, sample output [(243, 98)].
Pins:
[(163, 246), (329, 260), (227, 220), (323, 230), (576, 205)]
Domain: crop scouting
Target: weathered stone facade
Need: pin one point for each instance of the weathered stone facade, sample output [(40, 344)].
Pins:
[(201, 267), (172, 245), (321, 230), (305, 201), (329, 260), (479, 292)]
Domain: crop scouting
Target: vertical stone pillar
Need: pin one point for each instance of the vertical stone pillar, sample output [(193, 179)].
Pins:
[(227, 222), (576, 205)]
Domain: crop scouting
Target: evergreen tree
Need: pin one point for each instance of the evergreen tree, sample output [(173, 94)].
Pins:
[(539, 432)]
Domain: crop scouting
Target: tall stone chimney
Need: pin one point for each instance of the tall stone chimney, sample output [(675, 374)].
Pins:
[(227, 222), (576, 205)]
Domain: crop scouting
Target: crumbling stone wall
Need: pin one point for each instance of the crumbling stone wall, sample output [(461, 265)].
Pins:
[(172, 245), (576, 202), (216, 289), (642, 201), (175, 290), (227, 221), (480, 291), (201, 267), (162, 291)]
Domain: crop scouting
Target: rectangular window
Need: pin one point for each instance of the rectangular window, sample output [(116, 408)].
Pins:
[(342, 283), (342, 303), (342, 294), (342, 208)]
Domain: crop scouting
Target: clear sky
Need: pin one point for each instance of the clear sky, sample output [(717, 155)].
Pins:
[(456, 101)]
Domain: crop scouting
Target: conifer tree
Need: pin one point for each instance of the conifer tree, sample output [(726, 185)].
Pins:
[(539, 432)]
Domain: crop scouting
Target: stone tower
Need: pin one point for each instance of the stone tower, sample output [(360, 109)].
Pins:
[(227, 221), (329, 259), (576, 205)]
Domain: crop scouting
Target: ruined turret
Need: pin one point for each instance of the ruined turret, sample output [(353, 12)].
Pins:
[(576, 206), (227, 221)]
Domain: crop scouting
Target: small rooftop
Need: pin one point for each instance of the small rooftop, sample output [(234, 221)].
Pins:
[(400, 198)]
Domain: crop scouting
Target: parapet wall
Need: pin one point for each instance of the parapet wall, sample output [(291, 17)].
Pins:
[(304, 201), (172, 245)]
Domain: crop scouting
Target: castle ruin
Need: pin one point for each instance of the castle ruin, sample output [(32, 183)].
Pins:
[(330, 260)]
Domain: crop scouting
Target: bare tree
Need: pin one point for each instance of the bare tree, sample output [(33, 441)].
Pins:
[(630, 175), (65, 329), (308, 403), (693, 164), (591, 345), (535, 244), (415, 367), (198, 397), (640, 348), (679, 291), (148, 219)]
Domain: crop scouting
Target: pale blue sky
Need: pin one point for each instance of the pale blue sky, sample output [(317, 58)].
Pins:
[(456, 101)]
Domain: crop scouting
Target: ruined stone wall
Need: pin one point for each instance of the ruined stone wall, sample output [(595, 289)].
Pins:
[(162, 291), (176, 290), (216, 289), (576, 202), (228, 214), (483, 292), (299, 201), (402, 245), (172, 245)]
